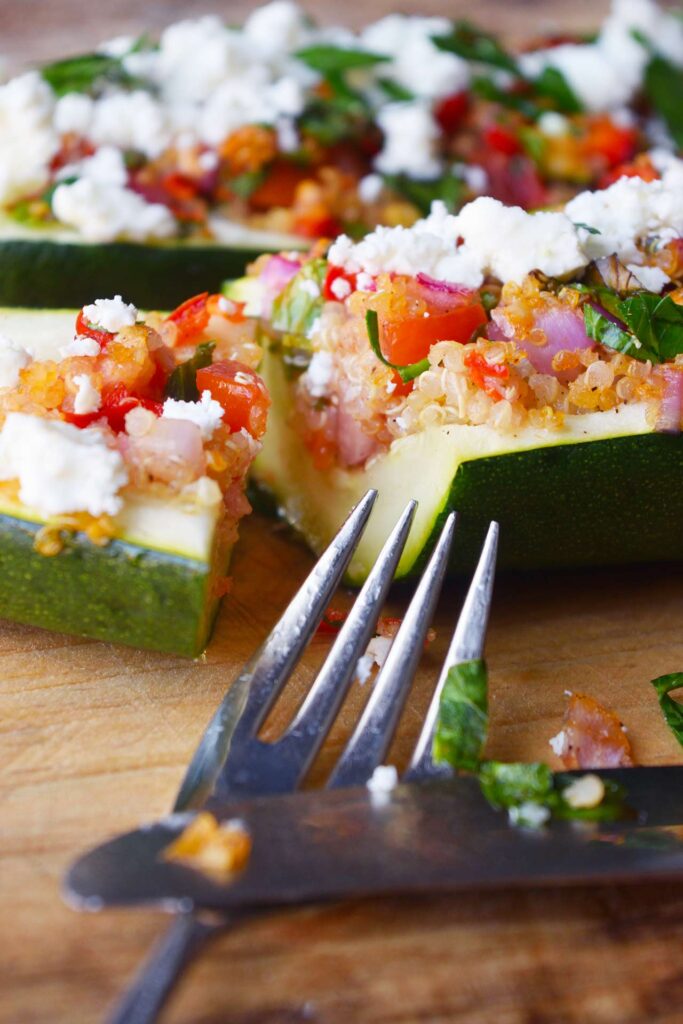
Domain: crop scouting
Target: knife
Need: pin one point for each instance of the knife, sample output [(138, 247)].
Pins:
[(322, 845)]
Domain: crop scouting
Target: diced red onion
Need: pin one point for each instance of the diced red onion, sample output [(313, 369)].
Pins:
[(563, 328), (354, 446), (275, 276), (442, 295), (671, 407)]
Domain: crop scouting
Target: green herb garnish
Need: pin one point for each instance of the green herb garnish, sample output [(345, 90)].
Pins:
[(470, 43), (449, 189), (650, 326), (329, 59), (408, 372), (673, 711), (86, 73), (463, 716), (663, 86), (182, 384)]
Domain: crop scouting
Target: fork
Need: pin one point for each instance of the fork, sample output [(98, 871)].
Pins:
[(232, 760)]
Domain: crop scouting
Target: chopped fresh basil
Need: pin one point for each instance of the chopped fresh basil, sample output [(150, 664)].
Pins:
[(85, 74), (182, 384), (297, 308), (508, 785), (487, 89), (408, 372), (673, 711), (335, 119), (329, 59), (586, 227), (395, 91), (650, 327), (449, 189), (463, 716), (663, 86), (552, 85), (243, 185), (472, 44)]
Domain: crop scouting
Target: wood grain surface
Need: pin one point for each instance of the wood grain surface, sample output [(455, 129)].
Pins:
[(94, 739)]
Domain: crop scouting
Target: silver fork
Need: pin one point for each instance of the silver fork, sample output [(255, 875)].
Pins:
[(232, 761)]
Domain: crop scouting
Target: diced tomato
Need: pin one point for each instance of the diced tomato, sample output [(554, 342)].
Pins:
[(324, 226), (512, 179), (637, 169), (450, 112), (502, 139), (118, 402), (87, 330), (81, 419), (615, 144), (279, 187), (332, 621), (408, 341), (482, 372), (337, 274), (191, 318), (240, 391)]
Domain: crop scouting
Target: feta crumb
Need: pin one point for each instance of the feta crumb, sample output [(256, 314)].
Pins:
[(319, 374), (110, 314), (416, 61), (365, 282), (370, 188), (310, 288), (411, 137), (340, 288), (79, 346), (28, 139), (88, 399), (61, 468), (653, 279), (73, 114), (586, 791), (529, 815), (106, 165), (376, 653), (553, 124), (383, 779), (557, 743), (207, 413), (103, 212), (13, 359)]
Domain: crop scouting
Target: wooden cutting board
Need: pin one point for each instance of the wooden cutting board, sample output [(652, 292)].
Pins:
[(94, 739)]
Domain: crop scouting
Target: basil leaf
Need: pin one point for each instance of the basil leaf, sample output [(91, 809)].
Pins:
[(586, 227), (182, 384), (552, 85), (329, 59), (394, 91), (657, 322), (663, 86), (243, 185), (602, 329), (449, 189), (509, 785), (296, 309), (408, 372), (673, 711), (463, 716), (85, 74), (488, 90), (472, 44), (334, 120)]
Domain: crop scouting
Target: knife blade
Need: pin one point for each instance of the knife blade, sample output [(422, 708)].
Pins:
[(317, 845)]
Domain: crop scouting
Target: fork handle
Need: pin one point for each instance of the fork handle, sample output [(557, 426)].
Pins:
[(158, 976)]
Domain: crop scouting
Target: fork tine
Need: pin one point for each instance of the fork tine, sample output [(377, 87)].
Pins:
[(302, 741), (372, 736), (250, 697), (467, 643)]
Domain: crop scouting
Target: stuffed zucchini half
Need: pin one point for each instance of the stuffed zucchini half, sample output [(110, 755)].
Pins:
[(522, 367), (125, 441)]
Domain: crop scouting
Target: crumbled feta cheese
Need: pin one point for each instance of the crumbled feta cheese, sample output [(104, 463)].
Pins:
[(130, 120), (370, 188), (319, 374), (340, 288), (88, 399), (365, 282), (194, 57), (376, 653), (628, 210), (276, 29), (553, 124), (106, 165), (597, 84), (79, 346), (416, 62), (383, 779), (13, 358), (586, 791), (118, 47), (557, 743), (501, 240), (529, 815), (653, 279), (73, 114), (411, 137), (110, 314), (288, 139), (248, 100), (104, 213), (207, 413), (28, 139), (60, 468), (474, 176)]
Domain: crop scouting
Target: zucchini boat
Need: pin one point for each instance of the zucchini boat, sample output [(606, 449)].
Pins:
[(552, 402), (182, 158), (120, 491)]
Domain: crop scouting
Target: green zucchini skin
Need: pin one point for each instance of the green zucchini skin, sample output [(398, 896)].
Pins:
[(607, 502), (120, 593), (60, 274)]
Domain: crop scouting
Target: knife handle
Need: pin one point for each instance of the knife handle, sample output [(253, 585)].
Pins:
[(147, 995)]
